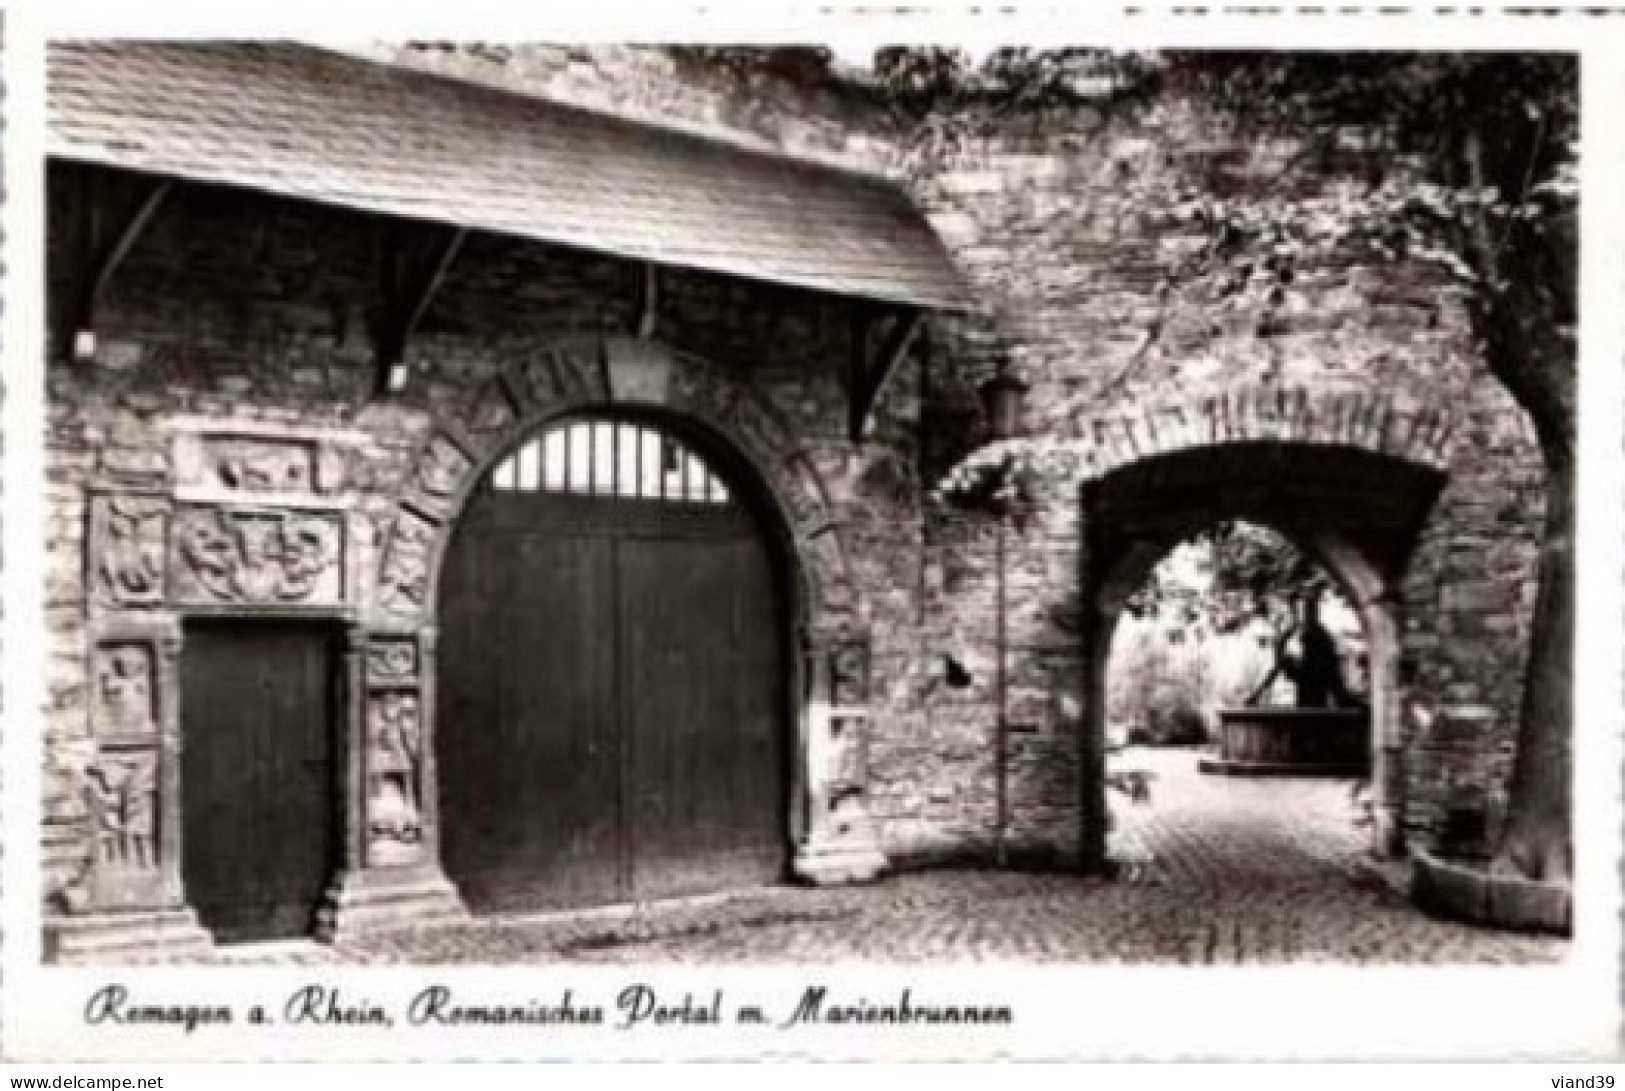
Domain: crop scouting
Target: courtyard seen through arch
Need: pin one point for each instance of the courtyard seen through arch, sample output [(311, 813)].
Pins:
[(1238, 710)]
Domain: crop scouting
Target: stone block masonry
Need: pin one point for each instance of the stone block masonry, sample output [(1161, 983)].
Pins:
[(231, 403), (233, 396), (1067, 234)]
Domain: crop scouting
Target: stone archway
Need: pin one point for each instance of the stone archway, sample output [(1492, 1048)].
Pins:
[(392, 869), (1349, 477), (569, 374)]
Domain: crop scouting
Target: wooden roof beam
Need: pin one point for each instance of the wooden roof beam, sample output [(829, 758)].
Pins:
[(110, 253), (649, 301), (410, 285), (872, 373)]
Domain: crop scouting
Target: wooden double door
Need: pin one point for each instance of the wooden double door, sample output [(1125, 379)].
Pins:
[(612, 680)]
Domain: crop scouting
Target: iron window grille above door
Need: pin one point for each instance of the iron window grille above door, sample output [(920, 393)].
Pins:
[(609, 458)]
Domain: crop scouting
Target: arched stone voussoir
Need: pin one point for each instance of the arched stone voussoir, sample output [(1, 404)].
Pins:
[(466, 437), (1396, 423), (653, 376), (408, 563)]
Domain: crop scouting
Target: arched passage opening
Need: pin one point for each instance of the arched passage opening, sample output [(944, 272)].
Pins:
[(1353, 512), (1238, 705), (615, 716)]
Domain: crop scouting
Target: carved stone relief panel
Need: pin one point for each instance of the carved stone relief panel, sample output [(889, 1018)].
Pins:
[(539, 380), (128, 536), (339, 467), (579, 366), (404, 578), (848, 757), (132, 466), (804, 494), (489, 417), (259, 465), (844, 666), (441, 470), (120, 791), (258, 556), (701, 390), (394, 761), (125, 691), (849, 672), (758, 427), (123, 800), (827, 564), (115, 776), (392, 661), (214, 464), (565, 373), (838, 759)]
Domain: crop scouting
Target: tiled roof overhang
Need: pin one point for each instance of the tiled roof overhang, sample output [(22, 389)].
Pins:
[(308, 123)]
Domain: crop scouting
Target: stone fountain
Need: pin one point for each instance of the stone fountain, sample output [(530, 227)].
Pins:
[(1325, 732)]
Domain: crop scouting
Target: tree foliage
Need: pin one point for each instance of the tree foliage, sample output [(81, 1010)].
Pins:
[(1237, 573), (917, 83), (1465, 164)]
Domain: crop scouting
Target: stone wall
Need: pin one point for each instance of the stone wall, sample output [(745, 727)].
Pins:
[(245, 311), (233, 366), (1070, 238)]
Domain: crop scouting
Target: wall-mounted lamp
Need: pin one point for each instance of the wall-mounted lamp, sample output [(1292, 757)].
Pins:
[(1003, 401), (84, 345)]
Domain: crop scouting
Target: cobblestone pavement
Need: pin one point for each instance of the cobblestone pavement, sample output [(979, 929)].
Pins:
[(1216, 870)]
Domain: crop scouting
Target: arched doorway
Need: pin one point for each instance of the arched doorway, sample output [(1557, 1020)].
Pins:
[(1357, 513), (613, 693)]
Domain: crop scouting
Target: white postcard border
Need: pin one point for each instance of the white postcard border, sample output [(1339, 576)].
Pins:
[(1093, 1012)]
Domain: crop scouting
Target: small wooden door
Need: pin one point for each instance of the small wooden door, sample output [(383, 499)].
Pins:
[(612, 679), (258, 770)]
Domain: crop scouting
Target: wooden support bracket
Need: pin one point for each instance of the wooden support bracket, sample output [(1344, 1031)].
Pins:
[(107, 254), (870, 375), (410, 284), (649, 303)]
